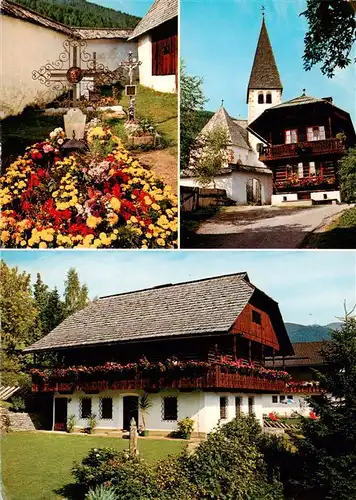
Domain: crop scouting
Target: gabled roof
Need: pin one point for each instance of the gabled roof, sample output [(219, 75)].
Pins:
[(19, 11), (306, 354), (264, 73), (160, 12), (100, 33), (298, 101), (238, 136)]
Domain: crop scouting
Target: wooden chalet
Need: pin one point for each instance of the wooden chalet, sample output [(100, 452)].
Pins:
[(197, 348), (302, 141)]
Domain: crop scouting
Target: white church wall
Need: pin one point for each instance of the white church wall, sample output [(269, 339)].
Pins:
[(25, 47), (220, 182), (111, 52), (165, 83), (239, 183)]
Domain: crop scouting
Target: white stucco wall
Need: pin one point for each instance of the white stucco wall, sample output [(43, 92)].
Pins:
[(160, 83), (111, 52), (25, 47), (255, 109), (221, 182), (319, 196), (239, 182), (202, 407), (299, 405)]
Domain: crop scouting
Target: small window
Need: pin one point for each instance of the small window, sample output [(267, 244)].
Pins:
[(274, 399), (315, 133), (256, 317), (106, 408), (223, 407), (269, 98), (237, 406), (291, 136), (170, 408), (282, 399), (85, 407), (251, 404), (290, 397), (260, 98)]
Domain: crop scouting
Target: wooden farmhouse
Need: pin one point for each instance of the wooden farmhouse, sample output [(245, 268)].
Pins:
[(157, 38), (198, 349), (303, 140)]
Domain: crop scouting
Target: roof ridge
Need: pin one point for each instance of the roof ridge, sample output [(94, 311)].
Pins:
[(243, 275)]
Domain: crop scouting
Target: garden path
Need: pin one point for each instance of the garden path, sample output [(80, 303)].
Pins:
[(163, 164)]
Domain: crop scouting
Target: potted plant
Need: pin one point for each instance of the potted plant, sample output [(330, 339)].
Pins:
[(144, 405), (91, 424), (185, 428)]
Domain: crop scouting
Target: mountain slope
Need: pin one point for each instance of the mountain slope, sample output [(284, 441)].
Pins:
[(309, 333), (80, 13)]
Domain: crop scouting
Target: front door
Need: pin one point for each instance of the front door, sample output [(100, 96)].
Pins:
[(130, 411), (60, 414)]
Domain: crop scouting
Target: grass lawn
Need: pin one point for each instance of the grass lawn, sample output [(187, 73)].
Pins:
[(36, 465), (340, 234)]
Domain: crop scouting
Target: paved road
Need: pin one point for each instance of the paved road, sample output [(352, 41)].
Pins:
[(263, 227)]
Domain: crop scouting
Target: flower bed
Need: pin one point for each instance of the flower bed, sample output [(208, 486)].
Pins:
[(100, 199), (169, 367), (294, 181)]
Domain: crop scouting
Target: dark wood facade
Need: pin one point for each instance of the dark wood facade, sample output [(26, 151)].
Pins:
[(304, 142), (165, 49)]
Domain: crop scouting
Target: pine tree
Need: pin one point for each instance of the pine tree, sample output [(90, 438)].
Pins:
[(54, 312), (41, 293), (75, 296), (328, 448)]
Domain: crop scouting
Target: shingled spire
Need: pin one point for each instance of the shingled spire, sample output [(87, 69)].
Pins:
[(264, 73)]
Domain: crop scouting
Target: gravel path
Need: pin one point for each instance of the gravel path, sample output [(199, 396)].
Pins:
[(263, 227)]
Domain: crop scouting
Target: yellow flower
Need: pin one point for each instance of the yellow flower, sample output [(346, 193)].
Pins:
[(161, 242), (5, 236), (133, 219), (93, 221), (115, 204), (112, 219), (148, 200), (42, 245), (23, 243), (155, 206)]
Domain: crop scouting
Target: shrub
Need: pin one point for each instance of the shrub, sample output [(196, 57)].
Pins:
[(101, 493), (185, 428), (71, 421), (18, 404), (91, 424)]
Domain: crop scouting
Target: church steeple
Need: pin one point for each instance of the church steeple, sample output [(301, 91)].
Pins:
[(264, 73)]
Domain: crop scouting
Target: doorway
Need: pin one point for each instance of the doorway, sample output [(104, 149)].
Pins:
[(130, 411), (60, 414), (254, 192)]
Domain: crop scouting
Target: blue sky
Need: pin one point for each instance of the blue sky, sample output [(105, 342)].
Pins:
[(218, 43), (309, 286), (135, 7)]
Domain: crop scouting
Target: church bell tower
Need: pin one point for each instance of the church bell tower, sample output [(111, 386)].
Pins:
[(264, 87)]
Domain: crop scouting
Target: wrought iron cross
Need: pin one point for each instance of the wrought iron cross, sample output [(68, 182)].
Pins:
[(131, 64), (68, 73)]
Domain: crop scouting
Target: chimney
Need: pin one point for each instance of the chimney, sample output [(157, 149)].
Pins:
[(328, 99)]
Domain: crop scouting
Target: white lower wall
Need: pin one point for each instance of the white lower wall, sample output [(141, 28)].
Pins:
[(202, 407), (284, 409), (221, 182), (278, 199)]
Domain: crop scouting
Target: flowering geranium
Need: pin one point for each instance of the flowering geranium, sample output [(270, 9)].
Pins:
[(85, 201)]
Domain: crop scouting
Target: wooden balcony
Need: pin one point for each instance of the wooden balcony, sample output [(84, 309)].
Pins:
[(304, 388), (214, 379), (300, 149)]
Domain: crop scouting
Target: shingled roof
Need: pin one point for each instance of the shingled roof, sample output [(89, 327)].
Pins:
[(102, 33), (160, 12), (20, 12), (238, 135), (299, 101), (306, 354), (264, 73)]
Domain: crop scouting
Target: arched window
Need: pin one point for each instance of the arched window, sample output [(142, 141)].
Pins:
[(269, 98), (260, 98)]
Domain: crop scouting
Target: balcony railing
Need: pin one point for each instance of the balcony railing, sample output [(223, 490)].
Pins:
[(214, 378), (304, 388), (299, 149), (294, 183)]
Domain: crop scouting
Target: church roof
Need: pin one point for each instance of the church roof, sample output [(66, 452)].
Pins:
[(160, 12), (298, 101), (238, 135), (264, 73), (20, 12)]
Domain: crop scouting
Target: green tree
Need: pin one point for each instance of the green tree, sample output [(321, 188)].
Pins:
[(347, 175), (75, 295), (19, 325), (191, 99), (209, 155), (327, 451), (330, 36), (54, 311), (41, 293)]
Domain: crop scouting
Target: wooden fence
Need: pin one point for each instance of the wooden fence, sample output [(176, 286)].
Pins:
[(193, 198)]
